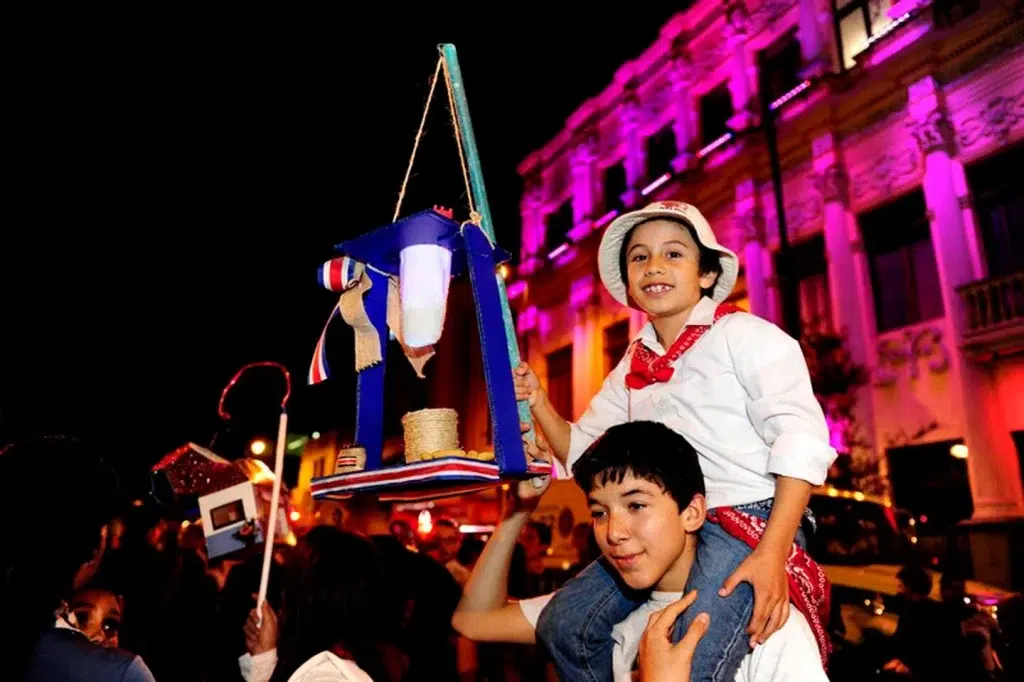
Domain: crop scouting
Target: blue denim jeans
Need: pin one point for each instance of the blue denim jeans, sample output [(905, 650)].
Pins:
[(576, 625)]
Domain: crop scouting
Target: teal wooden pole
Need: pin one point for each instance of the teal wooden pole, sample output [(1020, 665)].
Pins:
[(476, 181)]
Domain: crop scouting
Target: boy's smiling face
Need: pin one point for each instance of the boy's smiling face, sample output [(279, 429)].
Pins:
[(643, 532), (662, 268)]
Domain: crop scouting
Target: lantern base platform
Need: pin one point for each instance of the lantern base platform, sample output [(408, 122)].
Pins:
[(426, 480)]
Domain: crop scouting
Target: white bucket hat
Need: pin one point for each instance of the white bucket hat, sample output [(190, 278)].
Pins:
[(611, 246)]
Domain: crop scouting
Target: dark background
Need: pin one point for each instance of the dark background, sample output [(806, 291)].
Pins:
[(176, 179)]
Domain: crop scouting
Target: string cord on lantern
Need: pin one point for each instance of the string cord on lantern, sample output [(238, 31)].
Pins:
[(441, 63), (416, 142)]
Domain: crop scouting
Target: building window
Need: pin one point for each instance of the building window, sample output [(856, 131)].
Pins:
[(807, 266), (999, 206), (616, 341), (557, 226), (856, 22), (715, 112), (661, 149), (904, 275), (318, 467), (614, 187), (560, 381), (780, 67)]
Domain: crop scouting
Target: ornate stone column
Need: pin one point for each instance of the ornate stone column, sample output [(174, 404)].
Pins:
[(685, 115), (849, 278), (531, 208), (749, 227), (635, 162), (743, 79), (587, 343), (814, 40), (585, 182), (992, 462)]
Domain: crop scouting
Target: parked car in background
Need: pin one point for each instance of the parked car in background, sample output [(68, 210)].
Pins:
[(862, 542)]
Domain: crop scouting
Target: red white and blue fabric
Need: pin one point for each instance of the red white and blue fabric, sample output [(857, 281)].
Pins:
[(420, 480), (318, 368), (337, 274)]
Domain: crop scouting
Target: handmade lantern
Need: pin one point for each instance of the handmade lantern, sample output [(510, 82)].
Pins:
[(395, 278)]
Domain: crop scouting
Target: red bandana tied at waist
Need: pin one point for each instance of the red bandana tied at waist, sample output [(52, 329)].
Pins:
[(647, 367), (809, 589)]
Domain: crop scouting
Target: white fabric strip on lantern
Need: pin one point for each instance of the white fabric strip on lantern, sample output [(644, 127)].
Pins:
[(423, 280)]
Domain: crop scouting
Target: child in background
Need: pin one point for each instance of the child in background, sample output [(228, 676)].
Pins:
[(737, 387), (98, 612)]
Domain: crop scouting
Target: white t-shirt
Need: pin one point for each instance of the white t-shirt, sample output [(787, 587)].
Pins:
[(323, 667), (741, 395), (789, 655)]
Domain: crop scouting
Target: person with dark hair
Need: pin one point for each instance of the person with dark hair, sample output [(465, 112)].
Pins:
[(928, 642), (46, 559), (328, 626), (738, 388), (98, 610), (646, 493)]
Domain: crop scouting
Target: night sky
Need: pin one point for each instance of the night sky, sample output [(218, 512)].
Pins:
[(176, 179)]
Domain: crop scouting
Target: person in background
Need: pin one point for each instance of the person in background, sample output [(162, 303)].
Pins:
[(587, 549), (328, 624), (402, 531), (98, 611), (55, 554), (927, 641), (444, 548)]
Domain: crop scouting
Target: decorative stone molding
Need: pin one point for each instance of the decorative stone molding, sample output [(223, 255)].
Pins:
[(994, 122), (925, 343), (834, 184), (886, 173), (749, 227), (934, 133), (737, 22)]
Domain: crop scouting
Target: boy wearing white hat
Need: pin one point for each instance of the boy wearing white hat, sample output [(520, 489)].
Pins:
[(737, 387)]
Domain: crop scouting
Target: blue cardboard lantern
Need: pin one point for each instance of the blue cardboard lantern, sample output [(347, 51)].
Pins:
[(394, 281), (369, 274)]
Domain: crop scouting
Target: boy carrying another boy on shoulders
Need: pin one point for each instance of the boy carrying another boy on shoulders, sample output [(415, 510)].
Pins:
[(646, 494), (738, 389)]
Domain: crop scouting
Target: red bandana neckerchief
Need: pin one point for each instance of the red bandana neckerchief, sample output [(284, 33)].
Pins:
[(809, 588), (647, 367)]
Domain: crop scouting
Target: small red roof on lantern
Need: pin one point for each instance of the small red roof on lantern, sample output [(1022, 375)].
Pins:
[(195, 470)]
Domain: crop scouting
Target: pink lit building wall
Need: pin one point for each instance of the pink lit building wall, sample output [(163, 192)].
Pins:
[(892, 130)]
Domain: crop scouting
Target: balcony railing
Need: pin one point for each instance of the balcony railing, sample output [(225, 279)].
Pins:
[(994, 306)]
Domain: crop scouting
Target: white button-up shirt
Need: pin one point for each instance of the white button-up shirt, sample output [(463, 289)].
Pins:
[(741, 395)]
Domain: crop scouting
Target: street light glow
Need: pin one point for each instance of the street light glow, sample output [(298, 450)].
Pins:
[(258, 447)]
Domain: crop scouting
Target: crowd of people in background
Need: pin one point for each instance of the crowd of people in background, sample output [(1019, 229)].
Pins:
[(101, 588), (106, 587)]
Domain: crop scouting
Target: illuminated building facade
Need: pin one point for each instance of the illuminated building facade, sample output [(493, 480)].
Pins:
[(899, 134)]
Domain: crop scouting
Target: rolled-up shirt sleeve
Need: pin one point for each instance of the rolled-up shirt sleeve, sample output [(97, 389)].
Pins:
[(782, 407), (608, 408)]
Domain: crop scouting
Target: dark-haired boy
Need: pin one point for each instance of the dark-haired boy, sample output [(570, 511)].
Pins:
[(646, 493)]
